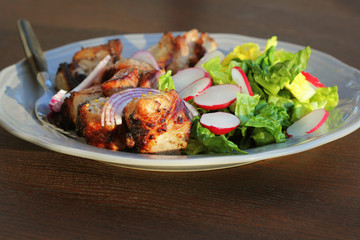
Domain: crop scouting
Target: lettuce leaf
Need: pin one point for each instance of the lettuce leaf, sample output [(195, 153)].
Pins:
[(245, 106), (272, 42), (301, 109), (262, 136), (273, 118), (281, 56), (204, 141), (166, 82), (245, 51), (214, 68), (287, 103), (274, 79), (327, 98)]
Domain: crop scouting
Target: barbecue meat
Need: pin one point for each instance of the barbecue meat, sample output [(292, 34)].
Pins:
[(142, 66), (69, 109), (130, 73), (151, 79), (158, 123), (69, 75), (123, 79), (176, 53), (163, 51), (89, 126)]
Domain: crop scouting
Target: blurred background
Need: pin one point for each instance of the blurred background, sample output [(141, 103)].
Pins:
[(68, 21)]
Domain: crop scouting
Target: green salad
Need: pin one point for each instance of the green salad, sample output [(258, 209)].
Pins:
[(281, 95)]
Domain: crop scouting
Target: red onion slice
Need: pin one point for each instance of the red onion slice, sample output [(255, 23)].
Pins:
[(192, 110), (58, 99), (99, 69), (146, 56), (112, 111)]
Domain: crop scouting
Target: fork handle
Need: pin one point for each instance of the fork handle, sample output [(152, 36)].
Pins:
[(33, 51)]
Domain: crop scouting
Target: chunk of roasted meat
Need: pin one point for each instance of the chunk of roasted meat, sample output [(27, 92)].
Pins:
[(175, 53), (89, 126), (69, 75), (69, 109), (158, 123), (130, 73)]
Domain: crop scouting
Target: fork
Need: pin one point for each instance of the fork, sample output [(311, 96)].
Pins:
[(37, 61)]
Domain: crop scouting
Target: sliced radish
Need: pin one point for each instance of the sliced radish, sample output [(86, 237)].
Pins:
[(313, 80), (195, 88), (146, 56), (185, 77), (217, 97), (308, 123), (239, 76), (209, 56), (219, 122)]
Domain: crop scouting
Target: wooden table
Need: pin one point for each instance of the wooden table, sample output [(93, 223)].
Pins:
[(310, 195)]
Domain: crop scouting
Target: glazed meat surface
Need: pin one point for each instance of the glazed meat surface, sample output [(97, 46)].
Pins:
[(164, 50), (123, 79), (176, 53), (69, 109), (131, 73), (154, 123), (69, 75), (158, 123), (89, 126)]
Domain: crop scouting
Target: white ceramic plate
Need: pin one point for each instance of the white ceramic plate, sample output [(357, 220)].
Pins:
[(19, 90)]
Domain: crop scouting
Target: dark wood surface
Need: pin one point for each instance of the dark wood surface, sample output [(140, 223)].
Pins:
[(310, 195)]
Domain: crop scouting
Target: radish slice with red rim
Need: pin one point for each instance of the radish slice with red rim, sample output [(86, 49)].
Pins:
[(217, 97), (308, 123), (219, 122), (146, 56), (112, 111), (185, 77), (313, 80), (195, 88), (240, 78)]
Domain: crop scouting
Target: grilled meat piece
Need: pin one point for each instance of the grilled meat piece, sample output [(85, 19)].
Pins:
[(187, 51), (125, 78), (175, 53), (163, 51), (151, 79), (69, 109), (207, 42), (84, 61), (158, 123), (68, 76), (130, 73), (142, 66), (89, 126)]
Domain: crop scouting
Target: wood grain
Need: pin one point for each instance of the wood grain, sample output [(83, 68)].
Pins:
[(310, 195)]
